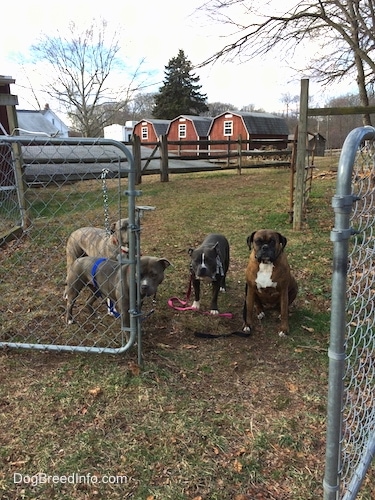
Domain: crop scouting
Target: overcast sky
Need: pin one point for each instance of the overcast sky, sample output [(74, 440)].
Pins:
[(154, 31)]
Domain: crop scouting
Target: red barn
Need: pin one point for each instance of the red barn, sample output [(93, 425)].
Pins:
[(150, 130), (250, 127), (189, 128)]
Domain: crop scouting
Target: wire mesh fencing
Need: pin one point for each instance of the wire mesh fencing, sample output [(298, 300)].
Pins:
[(49, 189), (351, 398)]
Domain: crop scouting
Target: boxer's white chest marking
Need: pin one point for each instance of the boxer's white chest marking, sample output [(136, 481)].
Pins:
[(263, 279)]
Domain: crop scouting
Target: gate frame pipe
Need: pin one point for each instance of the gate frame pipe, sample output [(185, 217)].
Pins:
[(342, 204)]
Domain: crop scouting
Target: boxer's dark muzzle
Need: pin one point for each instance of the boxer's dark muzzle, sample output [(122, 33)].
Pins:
[(265, 254)]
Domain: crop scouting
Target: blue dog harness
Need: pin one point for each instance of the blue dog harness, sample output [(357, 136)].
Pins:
[(110, 305)]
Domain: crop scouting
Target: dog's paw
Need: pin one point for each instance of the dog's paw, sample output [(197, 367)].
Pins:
[(222, 289), (282, 334), (196, 305), (246, 329), (261, 315), (214, 312), (70, 321)]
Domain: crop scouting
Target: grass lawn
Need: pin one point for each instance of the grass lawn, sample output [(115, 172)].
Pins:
[(228, 418)]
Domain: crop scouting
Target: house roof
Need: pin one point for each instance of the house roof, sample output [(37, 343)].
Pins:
[(33, 122), (202, 124), (262, 123)]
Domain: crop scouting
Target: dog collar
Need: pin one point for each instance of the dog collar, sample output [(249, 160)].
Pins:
[(94, 269), (219, 266)]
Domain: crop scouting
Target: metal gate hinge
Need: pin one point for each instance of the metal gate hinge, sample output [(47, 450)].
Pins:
[(341, 234), (345, 201)]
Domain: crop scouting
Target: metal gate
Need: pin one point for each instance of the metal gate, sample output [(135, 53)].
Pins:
[(350, 445), (63, 184)]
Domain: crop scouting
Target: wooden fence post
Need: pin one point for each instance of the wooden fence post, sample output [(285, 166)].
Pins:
[(136, 142), (301, 157), (164, 176), (239, 152)]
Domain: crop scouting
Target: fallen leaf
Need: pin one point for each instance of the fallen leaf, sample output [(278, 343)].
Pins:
[(95, 391), (308, 329), (291, 387), (134, 368), (18, 463), (237, 466), (163, 346)]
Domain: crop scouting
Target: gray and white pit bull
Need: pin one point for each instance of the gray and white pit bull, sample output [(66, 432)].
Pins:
[(210, 262), (95, 241), (103, 277)]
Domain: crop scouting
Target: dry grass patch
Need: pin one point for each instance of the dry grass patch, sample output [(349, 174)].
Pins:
[(223, 419)]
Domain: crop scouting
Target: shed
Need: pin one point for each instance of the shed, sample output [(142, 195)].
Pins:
[(121, 133), (316, 143), (149, 130), (189, 128), (260, 129)]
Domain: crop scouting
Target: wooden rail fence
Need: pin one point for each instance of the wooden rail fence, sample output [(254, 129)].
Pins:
[(228, 154)]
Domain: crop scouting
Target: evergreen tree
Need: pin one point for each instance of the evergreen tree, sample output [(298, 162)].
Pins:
[(180, 93)]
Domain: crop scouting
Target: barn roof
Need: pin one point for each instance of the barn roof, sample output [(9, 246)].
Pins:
[(160, 126), (201, 123), (262, 123), (33, 122)]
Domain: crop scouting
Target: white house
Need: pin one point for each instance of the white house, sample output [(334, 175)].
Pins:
[(56, 121), (41, 122)]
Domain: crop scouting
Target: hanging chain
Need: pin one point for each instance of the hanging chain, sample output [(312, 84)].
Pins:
[(105, 172)]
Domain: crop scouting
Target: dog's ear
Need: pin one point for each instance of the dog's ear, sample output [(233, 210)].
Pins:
[(216, 248), (283, 240), (250, 239), (124, 224), (165, 263)]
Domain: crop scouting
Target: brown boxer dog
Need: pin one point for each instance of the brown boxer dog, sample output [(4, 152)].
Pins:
[(268, 278)]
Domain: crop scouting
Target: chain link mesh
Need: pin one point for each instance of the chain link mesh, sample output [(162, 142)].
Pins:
[(62, 190), (358, 416)]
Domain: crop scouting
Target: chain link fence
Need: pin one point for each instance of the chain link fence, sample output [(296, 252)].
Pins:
[(49, 188), (351, 398)]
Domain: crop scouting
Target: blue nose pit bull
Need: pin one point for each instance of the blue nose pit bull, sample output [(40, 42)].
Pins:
[(210, 262), (109, 279)]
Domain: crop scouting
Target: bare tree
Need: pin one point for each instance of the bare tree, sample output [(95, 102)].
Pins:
[(81, 67), (289, 100), (216, 108), (343, 30), (141, 106)]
